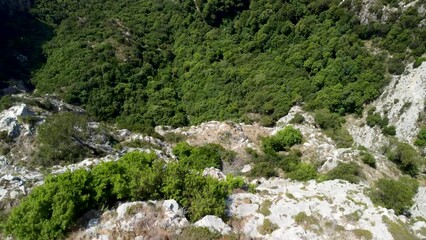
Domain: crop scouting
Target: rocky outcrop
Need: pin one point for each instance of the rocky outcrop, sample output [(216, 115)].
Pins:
[(403, 101), (11, 120), (214, 224), (327, 210), (136, 220)]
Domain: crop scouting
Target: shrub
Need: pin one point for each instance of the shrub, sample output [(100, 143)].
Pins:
[(421, 138), (345, 171), (209, 155), (263, 169), (304, 172), (389, 130), (418, 62), (368, 159), (405, 157), (173, 137), (61, 139), (51, 209), (297, 119), (196, 233), (395, 194), (283, 140), (328, 120)]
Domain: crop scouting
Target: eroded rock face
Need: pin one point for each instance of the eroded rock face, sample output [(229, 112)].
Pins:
[(10, 122), (328, 210), (133, 220), (403, 101)]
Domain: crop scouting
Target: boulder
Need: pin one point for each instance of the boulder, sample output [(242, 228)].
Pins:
[(214, 223)]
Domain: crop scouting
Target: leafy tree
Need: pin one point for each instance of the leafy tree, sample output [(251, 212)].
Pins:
[(62, 139)]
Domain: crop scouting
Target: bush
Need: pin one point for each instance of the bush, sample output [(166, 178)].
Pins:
[(389, 130), (283, 140), (345, 171), (418, 62), (304, 172), (209, 155), (421, 138), (196, 233), (405, 157), (263, 169), (328, 120), (368, 159), (297, 119), (395, 194), (50, 210), (61, 139), (174, 137)]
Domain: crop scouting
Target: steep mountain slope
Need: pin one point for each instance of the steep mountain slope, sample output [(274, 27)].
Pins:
[(145, 111)]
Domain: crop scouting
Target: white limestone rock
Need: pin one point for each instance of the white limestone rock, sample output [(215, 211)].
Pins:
[(214, 223)]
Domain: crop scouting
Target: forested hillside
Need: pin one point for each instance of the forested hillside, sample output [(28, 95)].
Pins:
[(147, 63)]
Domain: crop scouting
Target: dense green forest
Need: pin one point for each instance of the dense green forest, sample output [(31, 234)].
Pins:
[(146, 63)]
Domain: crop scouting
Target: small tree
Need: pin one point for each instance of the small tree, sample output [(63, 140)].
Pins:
[(62, 139)]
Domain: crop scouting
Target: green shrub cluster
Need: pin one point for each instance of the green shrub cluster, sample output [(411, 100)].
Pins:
[(346, 171), (208, 155), (282, 140), (405, 157), (368, 159), (269, 164), (421, 138), (62, 139), (374, 119), (332, 125), (395, 194), (51, 209)]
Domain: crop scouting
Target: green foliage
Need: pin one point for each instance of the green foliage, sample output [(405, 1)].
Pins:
[(368, 159), (61, 139), (267, 227), (297, 119), (6, 102), (209, 155), (421, 138), (303, 172), (174, 137), (149, 63), (405, 157), (328, 120), (264, 208), (399, 230), (395, 194), (345, 171), (51, 209), (418, 62), (332, 125), (196, 233), (375, 119), (282, 140), (389, 130)]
